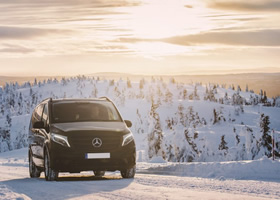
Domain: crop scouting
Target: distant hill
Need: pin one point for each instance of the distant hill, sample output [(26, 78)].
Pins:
[(269, 82)]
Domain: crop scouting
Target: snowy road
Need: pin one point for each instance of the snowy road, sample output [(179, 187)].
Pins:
[(16, 184)]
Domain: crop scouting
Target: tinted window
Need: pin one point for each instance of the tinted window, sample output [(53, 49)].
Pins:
[(38, 112), (84, 111), (45, 115)]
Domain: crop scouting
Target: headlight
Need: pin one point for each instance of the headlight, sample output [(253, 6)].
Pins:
[(60, 139), (127, 139)]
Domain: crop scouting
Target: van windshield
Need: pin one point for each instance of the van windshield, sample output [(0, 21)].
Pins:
[(63, 112)]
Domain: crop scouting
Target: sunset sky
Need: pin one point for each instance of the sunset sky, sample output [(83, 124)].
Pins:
[(69, 37)]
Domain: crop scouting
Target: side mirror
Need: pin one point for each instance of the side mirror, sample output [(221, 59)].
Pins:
[(128, 123), (39, 124)]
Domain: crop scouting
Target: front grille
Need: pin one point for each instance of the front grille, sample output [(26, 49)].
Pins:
[(82, 141)]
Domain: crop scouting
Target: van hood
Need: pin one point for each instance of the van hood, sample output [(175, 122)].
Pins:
[(91, 126)]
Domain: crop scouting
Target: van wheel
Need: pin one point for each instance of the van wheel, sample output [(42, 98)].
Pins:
[(99, 173), (34, 171), (50, 174), (128, 173)]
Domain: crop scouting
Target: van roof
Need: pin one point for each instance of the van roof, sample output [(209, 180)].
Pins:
[(77, 99)]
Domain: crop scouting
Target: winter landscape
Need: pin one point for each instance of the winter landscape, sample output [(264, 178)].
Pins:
[(198, 79), (211, 140)]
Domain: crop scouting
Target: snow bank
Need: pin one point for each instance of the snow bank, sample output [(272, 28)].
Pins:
[(261, 169), (157, 159)]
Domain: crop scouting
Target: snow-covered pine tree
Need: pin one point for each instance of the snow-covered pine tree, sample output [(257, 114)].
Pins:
[(141, 84), (223, 146), (168, 97), (155, 136), (193, 152), (185, 94), (266, 138), (264, 100), (94, 91), (215, 116), (181, 115), (111, 82), (6, 135), (261, 96), (128, 82), (139, 123), (196, 97)]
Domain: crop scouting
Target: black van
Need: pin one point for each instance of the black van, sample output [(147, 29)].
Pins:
[(74, 135)]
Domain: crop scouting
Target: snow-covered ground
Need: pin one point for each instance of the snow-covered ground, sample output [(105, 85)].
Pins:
[(216, 140), (261, 180)]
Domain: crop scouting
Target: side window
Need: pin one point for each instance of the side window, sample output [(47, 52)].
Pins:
[(39, 112), (33, 118), (45, 117)]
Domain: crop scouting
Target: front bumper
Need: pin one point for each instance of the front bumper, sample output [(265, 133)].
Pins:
[(66, 159)]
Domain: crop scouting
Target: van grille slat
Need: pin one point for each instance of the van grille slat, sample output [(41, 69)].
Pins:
[(82, 141)]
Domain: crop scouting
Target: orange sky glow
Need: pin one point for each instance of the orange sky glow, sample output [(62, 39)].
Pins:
[(72, 37)]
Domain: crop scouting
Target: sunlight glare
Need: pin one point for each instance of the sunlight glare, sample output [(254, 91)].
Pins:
[(160, 19)]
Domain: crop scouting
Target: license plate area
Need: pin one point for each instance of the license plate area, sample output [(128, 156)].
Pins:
[(97, 155)]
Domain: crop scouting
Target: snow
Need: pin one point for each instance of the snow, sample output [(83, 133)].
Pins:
[(187, 131), (262, 169), (188, 163), (157, 159), (16, 184)]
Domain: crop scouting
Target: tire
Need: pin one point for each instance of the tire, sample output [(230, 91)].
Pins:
[(128, 173), (34, 171), (99, 173), (50, 174)]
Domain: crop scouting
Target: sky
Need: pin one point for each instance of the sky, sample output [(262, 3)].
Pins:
[(70, 37)]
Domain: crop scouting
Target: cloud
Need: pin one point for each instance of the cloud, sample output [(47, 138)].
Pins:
[(257, 5), (244, 38), (234, 38), (16, 50), (55, 3), (9, 32)]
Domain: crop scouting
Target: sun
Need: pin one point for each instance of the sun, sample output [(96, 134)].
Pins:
[(159, 19), (154, 20)]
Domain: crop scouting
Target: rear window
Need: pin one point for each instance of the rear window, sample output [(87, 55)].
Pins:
[(84, 111)]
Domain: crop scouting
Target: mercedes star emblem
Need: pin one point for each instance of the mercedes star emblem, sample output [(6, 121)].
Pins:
[(97, 142)]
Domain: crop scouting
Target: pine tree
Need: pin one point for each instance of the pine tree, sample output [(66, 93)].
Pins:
[(168, 97), (223, 144), (111, 82), (215, 116), (261, 96), (94, 91), (196, 97), (6, 134), (128, 83), (181, 116), (237, 137), (266, 138), (172, 80), (264, 97), (193, 152), (141, 84), (185, 94), (155, 136), (35, 82), (139, 123)]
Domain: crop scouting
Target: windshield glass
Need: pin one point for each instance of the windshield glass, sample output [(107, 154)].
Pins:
[(63, 112)]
